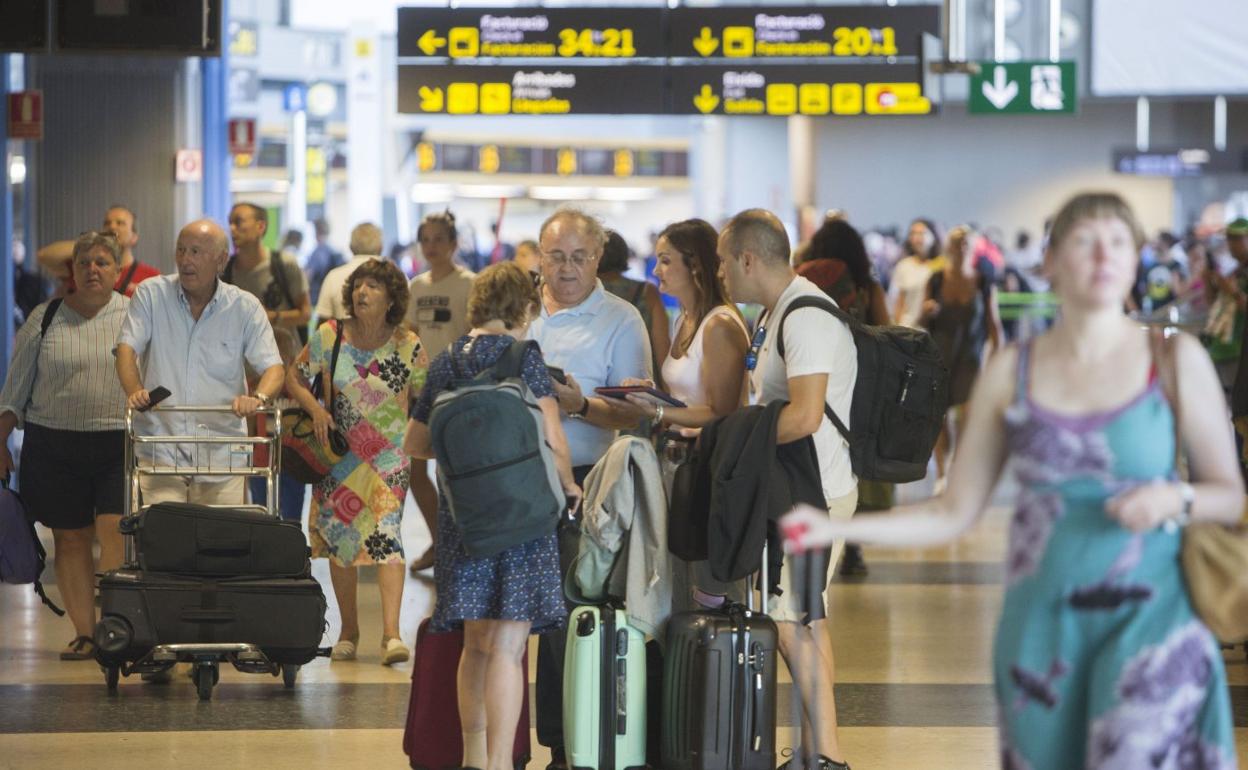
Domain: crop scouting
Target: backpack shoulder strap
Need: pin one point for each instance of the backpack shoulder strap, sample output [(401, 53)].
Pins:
[(279, 274), (227, 274), (511, 362), (840, 315)]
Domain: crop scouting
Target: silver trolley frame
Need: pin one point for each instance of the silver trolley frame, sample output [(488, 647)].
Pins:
[(205, 658)]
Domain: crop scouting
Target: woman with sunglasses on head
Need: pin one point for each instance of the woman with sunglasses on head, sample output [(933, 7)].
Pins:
[(62, 388), (1099, 659), (705, 367)]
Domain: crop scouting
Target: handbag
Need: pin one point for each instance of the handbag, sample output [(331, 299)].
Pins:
[(686, 521), (1214, 557), (304, 457)]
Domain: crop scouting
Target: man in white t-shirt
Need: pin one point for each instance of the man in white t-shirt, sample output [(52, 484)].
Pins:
[(365, 245), (819, 366)]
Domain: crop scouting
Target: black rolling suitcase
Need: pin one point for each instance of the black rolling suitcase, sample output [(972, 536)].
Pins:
[(282, 618), (189, 539), (719, 689)]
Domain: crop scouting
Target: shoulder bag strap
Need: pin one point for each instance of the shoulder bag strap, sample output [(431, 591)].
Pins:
[(838, 314), (125, 282), (48, 314), (1168, 378), (333, 366), (227, 274)]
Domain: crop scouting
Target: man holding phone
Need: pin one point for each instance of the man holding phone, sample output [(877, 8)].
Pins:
[(195, 332), (592, 338)]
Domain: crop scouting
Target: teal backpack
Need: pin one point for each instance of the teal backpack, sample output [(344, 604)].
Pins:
[(494, 465)]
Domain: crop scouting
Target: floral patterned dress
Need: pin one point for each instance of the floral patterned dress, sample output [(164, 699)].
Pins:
[(1100, 662), (356, 509)]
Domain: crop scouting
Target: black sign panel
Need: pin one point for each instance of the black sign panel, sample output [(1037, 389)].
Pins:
[(528, 33), (1176, 162), (537, 90), (843, 32), (23, 25), (851, 89)]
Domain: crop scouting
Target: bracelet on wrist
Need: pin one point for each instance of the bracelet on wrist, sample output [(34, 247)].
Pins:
[(1184, 516)]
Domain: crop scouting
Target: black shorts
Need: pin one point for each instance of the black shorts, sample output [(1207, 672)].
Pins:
[(69, 476)]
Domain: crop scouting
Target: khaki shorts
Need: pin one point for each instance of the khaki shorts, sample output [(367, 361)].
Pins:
[(786, 608), (186, 489)]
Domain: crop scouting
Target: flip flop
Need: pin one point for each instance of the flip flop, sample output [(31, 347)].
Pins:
[(81, 648)]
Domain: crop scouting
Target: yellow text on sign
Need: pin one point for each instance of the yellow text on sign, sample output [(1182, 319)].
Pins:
[(495, 98), (814, 98), (565, 162), (461, 98), (847, 98), (781, 98), (487, 159), (738, 41), (465, 42), (623, 162), (896, 99), (426, 156)]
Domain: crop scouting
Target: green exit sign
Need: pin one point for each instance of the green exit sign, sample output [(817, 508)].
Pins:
[(1023, 88)]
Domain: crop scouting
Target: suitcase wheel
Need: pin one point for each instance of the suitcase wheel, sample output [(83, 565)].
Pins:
[(112, 675), (206, 675), (290, 673)]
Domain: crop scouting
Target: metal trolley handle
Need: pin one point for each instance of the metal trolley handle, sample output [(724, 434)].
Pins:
[(136, 469)]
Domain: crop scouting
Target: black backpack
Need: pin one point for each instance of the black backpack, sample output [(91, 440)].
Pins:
[(899, 401), (279, 279)]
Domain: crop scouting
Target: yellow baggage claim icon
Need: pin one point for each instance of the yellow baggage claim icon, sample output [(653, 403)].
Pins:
[(814, 98)]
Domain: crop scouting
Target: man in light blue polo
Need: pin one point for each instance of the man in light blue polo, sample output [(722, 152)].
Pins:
[(597, 339), (194, 332)]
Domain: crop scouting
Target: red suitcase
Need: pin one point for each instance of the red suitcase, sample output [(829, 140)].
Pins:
[(431, 738)]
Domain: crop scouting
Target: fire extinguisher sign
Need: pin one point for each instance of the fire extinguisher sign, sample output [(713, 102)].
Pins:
[(26, 115)]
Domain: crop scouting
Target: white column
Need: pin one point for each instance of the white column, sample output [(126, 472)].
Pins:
[(365, 124)]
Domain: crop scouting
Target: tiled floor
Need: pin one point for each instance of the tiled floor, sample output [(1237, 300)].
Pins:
[(912, 642)]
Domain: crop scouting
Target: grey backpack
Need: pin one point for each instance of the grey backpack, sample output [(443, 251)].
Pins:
[(494, 465)]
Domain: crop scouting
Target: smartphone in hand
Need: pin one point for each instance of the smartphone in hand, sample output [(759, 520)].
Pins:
[(557, 374), (156, 395)]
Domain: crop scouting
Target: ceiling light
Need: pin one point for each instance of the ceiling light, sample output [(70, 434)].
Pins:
[(625, 193), (431, 193), (559, 193), (488, 191)]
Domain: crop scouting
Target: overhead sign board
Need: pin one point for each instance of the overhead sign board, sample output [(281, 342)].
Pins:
[(846, 32), (531, 90), (1023, 88), (491, 158), (1178, 162), (543, 33), (794, 90)]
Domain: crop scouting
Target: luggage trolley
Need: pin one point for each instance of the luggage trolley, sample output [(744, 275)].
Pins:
[(114, 633)]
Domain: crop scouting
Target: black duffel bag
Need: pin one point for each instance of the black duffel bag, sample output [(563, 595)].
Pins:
[(189, 539)]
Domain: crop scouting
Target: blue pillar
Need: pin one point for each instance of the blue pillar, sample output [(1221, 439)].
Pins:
[(215, 74), (7, 301)]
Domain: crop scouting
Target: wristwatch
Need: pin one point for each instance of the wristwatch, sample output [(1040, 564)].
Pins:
[(580, 414), (264, 398), (1184, 516)]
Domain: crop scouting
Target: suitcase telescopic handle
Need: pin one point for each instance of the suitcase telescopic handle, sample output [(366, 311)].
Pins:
[(197, 615), (222, 546)]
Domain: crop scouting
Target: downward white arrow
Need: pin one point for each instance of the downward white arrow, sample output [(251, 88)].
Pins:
[(1001, 91)]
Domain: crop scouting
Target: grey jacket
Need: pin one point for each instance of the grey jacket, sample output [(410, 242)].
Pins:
[(623, 550)]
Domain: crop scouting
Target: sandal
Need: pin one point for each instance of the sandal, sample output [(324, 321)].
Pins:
[(394, 651), (343, 650), (81, 648)]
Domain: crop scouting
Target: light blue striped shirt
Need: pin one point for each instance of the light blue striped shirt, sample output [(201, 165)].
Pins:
[(601, 341), (200, 362)]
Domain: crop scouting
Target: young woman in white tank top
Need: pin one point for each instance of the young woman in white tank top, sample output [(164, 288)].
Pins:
[(705, 369)]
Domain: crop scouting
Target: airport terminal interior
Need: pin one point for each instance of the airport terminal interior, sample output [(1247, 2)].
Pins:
[(932, 139)]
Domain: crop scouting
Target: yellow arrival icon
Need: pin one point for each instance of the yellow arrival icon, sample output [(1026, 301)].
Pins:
[(429, 43), (738, 41), (706, 101), (465, 42), (461, 98), (495, 98), (431, 99), (705, 43)]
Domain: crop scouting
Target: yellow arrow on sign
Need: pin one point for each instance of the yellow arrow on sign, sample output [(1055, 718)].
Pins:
[(429, 42), (706, 101), (704, 43), (431, 99)]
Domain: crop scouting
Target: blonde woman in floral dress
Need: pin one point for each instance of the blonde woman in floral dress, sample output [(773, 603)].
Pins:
[(357, 508)]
